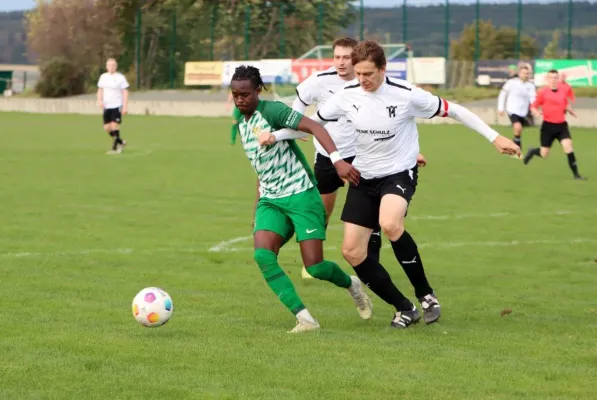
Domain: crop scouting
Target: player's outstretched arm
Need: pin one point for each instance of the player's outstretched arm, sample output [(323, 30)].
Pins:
[(472, 121)]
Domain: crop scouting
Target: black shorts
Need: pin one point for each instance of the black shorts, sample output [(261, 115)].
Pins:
[(363, 201), (551, 132), (517, 118), (112, 115), (327, 177)]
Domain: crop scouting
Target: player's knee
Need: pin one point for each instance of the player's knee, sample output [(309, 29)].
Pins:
[(107, 128), (544, 151), (265, 258), (354, 254), (393, 230)]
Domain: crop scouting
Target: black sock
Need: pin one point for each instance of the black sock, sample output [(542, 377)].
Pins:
[(572, 163), (518, 141), (375, 276), (114, 135), (374, 246), (118, 139), (409, 258)]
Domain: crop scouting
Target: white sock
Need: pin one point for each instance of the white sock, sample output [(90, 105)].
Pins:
[(352, 289), (306, 315)]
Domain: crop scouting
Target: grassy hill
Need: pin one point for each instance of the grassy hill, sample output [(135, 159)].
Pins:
[(425, 29)]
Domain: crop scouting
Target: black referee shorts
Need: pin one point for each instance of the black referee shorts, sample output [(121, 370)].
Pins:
[(363, 201), (327, 177), (552, 131), (112, 115)]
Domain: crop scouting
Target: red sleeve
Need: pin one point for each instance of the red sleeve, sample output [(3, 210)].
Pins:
[(538, 100), (571, 93)]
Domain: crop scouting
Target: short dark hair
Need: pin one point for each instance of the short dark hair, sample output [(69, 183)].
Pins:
[(552, 71), (369, 50), (248, 72), (345, 42)]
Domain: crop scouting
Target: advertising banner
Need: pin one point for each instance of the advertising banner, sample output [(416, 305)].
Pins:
[(302, 69), (397, 68), (427, 70), (496, 72), (203, 73), (277, 71), (579, 73), (230, 67)]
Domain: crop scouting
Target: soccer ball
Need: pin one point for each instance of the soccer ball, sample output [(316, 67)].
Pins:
[(152, 307)]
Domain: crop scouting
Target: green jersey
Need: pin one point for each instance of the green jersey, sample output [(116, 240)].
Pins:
[(282, 168)]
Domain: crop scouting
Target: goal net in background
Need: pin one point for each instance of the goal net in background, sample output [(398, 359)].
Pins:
[(320, 58)]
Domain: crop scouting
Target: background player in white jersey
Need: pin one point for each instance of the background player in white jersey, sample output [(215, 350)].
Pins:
[(317, 89), (113, 98), (516, 97), (383, 112), (289, 203)]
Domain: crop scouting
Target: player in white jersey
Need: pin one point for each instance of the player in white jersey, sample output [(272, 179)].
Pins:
[(112, 98), (515, 98), (383, 112), (316, 90)]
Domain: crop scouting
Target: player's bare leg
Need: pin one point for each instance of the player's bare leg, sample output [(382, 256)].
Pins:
[(391, 218), (312, 253)]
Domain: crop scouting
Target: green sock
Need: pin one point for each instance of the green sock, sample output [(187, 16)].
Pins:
[(277, 280), (331, 272)]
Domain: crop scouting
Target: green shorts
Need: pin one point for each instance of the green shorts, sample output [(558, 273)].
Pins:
[(302, 213)]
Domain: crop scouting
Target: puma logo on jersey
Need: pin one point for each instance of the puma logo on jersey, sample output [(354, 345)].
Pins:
[(356, 108), (330, 91)]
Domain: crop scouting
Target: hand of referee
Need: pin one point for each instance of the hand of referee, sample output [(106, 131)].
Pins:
[(506, 146), (347, 172)]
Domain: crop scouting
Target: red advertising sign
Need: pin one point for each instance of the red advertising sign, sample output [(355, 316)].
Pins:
[(302, 69)]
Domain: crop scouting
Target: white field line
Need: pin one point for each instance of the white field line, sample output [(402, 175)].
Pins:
[(444, 245), (225, 245), (438, 245)]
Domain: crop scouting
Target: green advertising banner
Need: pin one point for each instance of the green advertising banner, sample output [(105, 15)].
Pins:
[(579, 73)]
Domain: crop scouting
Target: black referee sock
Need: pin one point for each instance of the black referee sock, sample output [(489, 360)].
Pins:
[(375, 276), (408, 256), (572, 164), (374, 246), (536, 151)]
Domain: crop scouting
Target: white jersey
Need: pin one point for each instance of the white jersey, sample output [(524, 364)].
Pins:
[(318, 88), (387, 139), (113, 85), (517, 96)]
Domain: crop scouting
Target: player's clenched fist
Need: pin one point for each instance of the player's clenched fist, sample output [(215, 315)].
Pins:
[(266, 138), (506, 146), (347, 172)]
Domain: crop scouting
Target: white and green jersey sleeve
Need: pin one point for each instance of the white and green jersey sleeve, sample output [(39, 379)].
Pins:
[(282, 168)]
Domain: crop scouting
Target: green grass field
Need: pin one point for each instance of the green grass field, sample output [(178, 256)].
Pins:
[(82, 232)]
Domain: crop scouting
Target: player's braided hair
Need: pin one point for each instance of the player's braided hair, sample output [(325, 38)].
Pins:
[(248, 72)]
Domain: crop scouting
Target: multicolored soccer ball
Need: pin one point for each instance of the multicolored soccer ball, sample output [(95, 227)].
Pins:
[(152, 307)]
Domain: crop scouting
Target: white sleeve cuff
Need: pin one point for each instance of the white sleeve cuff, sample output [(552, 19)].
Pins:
[(289, 134)]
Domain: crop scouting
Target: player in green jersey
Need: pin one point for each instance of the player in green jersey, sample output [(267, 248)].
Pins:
[(289, 202)]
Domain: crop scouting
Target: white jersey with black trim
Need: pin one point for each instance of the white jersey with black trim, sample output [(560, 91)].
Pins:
[(387, 139), (317, 89), (517, 96)]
